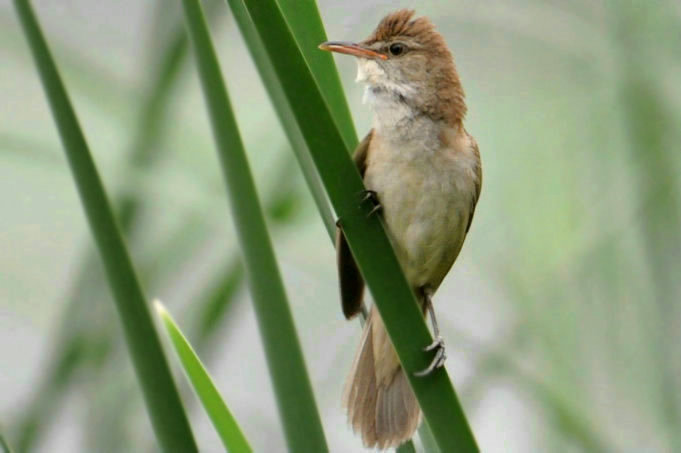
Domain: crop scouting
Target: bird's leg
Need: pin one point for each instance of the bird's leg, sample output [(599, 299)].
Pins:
[(373, 196), (438, 343)]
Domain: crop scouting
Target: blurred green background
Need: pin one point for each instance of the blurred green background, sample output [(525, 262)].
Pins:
[(561, 315)]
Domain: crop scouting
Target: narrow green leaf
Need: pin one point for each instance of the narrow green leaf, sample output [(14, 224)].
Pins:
[(165, 409), (427, 440), (366, 236), (73, 330), (407, 447), (284, 112), (308, 30), (307, 27), (652, 126), (215, 299), (109, 92), (223, 420), (4, 445), (298, 412), (71, 350)]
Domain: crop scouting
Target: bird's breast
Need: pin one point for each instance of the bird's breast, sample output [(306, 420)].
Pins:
[(426, 197)]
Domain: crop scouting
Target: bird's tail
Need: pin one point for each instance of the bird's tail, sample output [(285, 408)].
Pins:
[(380, 404)]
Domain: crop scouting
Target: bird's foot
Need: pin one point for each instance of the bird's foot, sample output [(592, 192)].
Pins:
[(371, 195), (366, 195), (438, 361)]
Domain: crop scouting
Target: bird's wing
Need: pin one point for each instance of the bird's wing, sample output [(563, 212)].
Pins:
[(478, 182), (351, 281)]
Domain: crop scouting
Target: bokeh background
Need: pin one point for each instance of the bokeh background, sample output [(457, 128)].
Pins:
[(561, 315)]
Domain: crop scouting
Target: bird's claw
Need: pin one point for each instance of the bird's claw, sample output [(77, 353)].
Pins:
[(366, 196), (373, 196), (369, 195), (374, 210), (438, 361), (438, 342)]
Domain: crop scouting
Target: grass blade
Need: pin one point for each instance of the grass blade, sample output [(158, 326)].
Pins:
[(306, 15), (215, 300), (165, 409), (306, 25), (4, 446), (223, 420), (39, 411), (366, 236), (652, 127), (302, 425), (427, 441), (143, 154), (214, 304), (284, 112), (407, 447)]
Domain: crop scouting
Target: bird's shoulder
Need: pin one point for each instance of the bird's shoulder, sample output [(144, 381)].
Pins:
[(474, 150), (361, 153)]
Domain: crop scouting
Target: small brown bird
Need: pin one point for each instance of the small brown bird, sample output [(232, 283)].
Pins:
[(423, 171)]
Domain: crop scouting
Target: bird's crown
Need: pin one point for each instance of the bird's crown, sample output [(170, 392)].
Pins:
[(402, 23)]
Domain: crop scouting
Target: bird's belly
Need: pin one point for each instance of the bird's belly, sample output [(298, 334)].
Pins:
[(426, 213)]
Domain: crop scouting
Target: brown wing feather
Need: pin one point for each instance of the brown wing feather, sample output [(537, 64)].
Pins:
[(478, 182), (351, 281)]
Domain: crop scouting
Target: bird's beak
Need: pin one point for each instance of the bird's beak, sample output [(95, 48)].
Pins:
[(351, 48)]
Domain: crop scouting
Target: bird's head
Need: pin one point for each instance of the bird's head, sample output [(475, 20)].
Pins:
[(406, 58)]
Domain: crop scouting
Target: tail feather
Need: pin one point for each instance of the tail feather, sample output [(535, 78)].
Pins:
[(380, 403), (397, 411)]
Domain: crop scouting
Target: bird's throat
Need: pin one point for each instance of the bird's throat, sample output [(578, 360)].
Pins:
[(398, 121)]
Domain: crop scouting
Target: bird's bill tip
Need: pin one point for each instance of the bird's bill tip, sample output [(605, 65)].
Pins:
[(351, 48)]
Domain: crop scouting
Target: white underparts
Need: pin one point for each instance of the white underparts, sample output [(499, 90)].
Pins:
[(371, 73), (426, 186)]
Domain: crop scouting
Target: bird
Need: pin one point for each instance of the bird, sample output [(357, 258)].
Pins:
[(422, 170)]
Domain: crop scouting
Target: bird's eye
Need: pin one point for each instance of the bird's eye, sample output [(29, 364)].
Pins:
[(397, 49)]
